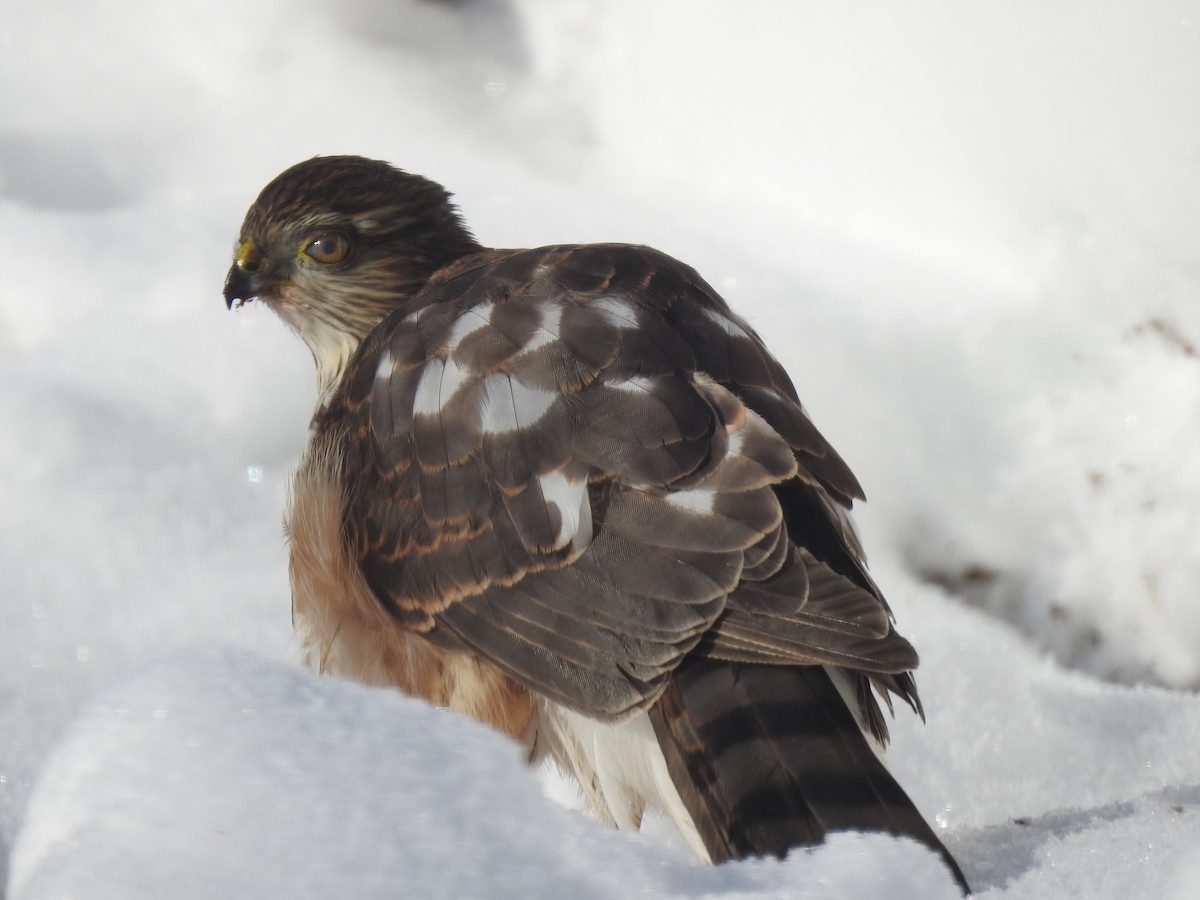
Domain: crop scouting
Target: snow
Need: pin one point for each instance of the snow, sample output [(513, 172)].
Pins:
[(307, 781), (969, 234)]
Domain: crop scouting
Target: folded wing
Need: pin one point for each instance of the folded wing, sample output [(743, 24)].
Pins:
[(577, 463)]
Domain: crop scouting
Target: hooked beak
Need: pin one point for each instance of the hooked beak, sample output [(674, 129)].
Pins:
[(241, 286), (247, 276)]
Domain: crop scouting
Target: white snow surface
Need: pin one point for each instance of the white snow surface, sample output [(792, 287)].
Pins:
[(968, 231)]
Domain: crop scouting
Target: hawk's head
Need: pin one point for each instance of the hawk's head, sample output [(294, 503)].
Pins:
[(335, 243)]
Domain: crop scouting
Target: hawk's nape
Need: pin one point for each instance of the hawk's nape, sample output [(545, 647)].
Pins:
[(569, 492)]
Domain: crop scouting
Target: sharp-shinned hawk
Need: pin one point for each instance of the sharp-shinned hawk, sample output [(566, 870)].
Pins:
[(567, 491)]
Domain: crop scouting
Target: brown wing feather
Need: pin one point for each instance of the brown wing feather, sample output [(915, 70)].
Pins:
[(579, 464)]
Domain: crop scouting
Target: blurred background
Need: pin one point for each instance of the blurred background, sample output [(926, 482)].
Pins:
[(968, 230)]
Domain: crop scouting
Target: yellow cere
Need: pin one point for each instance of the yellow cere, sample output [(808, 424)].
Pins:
[(247, 257)]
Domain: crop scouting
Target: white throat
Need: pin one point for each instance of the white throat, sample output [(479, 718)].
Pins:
[(331, 348)]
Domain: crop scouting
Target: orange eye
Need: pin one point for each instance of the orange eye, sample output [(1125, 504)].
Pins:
[(328, 248)]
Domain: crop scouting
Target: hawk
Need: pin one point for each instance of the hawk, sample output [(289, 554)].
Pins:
[(568, 492)]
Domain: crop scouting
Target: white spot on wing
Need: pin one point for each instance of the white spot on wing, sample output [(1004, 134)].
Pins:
[(737, 439), (471, 321), (440, 380), (701, 501), (383, 371), (509, 405), (636, 383), (619, 313), (547, 332), (571, 499)]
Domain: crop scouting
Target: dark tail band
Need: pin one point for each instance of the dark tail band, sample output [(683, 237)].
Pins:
[(767, 758)]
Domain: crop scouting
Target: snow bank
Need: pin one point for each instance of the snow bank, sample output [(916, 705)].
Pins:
[(217, 774)]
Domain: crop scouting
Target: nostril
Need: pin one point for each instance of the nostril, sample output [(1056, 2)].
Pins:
[(248, 259)]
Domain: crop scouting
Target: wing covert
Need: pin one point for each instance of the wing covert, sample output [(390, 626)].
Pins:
[(567, 461)]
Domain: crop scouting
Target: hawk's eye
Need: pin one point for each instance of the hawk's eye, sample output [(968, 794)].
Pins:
[(328, 248)]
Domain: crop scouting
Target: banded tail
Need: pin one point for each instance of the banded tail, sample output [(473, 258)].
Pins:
[(766, 758)]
